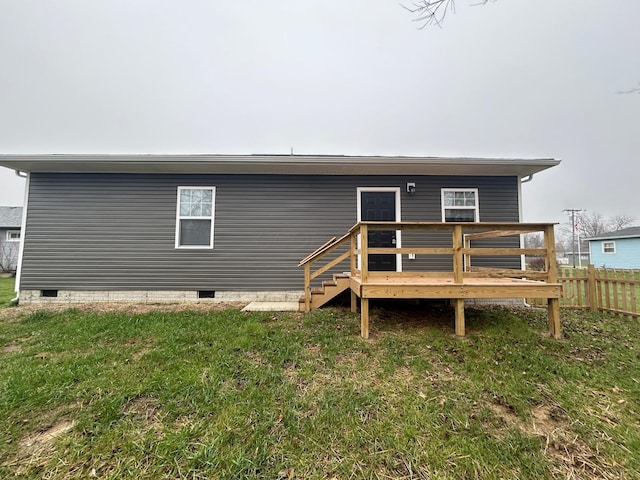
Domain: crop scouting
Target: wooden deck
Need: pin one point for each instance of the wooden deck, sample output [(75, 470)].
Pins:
[(408, 287), (464, 281)]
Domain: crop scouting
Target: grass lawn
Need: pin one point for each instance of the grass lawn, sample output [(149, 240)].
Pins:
[(223, 394), (6, 291)]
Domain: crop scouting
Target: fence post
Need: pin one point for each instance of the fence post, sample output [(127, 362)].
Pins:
[(591, 285)]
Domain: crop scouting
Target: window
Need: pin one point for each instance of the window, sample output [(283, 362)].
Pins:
[(608, 247), (460, 205), (194, 219), (13, 235)]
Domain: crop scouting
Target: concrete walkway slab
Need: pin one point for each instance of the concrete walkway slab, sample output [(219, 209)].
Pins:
[(271, 307)]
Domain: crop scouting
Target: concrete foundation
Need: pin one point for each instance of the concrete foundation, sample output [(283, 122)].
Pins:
[(152, 296)]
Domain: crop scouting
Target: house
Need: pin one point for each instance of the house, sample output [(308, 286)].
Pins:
[(619, 249), (10, 225), (583, 258), (234, 227)]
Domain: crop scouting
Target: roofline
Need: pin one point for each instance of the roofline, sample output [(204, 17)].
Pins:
[(274, 164), (637, 235)]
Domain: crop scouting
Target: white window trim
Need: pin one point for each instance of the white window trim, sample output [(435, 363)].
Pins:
[(476, 208), (613, 243), (359, 191), (212, 218), (9, 239)]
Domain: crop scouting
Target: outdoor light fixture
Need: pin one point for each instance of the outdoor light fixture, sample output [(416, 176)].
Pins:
[(411, 188)]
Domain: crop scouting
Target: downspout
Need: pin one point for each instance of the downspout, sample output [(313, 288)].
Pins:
[(23, 232)]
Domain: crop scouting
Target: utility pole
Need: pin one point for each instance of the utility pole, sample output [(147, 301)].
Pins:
[(572, 212)]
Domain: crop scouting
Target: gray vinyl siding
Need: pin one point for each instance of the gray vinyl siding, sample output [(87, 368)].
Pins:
[(117, 231)]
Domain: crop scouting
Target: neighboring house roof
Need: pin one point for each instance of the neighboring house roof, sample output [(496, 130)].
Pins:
[(630, 232), (11, 217), (277, 164)]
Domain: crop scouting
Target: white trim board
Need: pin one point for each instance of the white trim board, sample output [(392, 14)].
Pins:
[(23, 234)]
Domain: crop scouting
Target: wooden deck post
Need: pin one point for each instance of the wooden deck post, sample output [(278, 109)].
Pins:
[(352, 269), (364, 252), (352, 254), (458, 264), (307, 288), (458, 277), (553, 310), (553, 304), (364, 276), (364, 317), (459, 305)]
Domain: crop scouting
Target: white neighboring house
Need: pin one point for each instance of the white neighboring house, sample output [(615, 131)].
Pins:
[(10, 237)]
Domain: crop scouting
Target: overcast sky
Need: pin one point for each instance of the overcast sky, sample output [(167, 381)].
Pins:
[(513, 78)]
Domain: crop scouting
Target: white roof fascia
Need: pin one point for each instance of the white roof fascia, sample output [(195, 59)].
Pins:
[(612, 238), (275, 164)]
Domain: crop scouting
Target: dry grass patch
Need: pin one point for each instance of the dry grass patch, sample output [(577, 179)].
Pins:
[(37, 448), (569, 456), (146, 411), (12, 347)]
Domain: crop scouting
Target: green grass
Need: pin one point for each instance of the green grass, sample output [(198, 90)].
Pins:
[(6, 291), (231, 395)]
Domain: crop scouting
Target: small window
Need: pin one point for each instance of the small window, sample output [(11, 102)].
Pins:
[(195, 214), (460, 205), (13, 235), (608, 247)]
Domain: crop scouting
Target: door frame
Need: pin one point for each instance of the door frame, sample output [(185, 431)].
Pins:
[(396, 190)]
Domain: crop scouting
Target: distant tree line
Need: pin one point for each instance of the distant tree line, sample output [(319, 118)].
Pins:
[(588, 225)]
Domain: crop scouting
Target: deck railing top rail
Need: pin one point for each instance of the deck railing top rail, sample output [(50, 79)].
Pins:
[(516, 227)]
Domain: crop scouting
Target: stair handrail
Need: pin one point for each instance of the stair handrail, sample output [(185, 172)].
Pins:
[(317, 251), (327, 247), (323, 250)]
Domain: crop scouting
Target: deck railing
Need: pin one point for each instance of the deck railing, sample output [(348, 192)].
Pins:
[(462, 248), (603, 289)]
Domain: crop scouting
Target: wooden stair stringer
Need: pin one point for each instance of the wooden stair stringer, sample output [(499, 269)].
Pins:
[(329, 290)]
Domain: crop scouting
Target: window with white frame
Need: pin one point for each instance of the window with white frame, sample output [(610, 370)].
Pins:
[(13, 235), (460, 205), (195, 216), (608, 247)]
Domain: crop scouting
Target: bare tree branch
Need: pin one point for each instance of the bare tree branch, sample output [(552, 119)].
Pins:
[(594, 224), (633, 90), (433, 12), (8, 256), (619, 222)]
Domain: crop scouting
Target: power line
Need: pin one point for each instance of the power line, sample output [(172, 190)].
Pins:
[(572, 212)]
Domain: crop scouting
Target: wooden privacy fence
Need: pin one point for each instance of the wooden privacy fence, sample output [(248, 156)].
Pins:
[(603, 289)]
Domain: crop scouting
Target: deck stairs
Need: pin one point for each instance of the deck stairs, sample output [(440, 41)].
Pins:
[(329, 290)]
